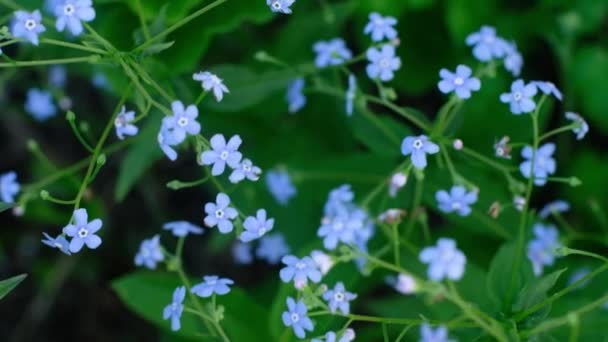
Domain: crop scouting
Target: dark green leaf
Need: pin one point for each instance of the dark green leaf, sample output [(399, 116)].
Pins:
[(499, 280), (536, 291), (5, 206), (9, 284)]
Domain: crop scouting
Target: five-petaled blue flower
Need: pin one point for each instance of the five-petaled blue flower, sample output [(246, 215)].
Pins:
[(182, 228), (211, 82), (166, 139), (222, 153), (82, 231), (548, 88), (59, 242), (382, 63), (558, 206), (350, 94), (256, 227), (212, 285), (245, 170), (220, 214), (444, 260), (513, 60), (427, 334), (544, 164), (71, 13), (581, 127), (521, 97), (486, 45), (9, 187), (380, 27), (339, 298), (175, 309), (280, 186), (418, 147), (183, 121), (296, 317), (340, 227), (27, 25), (338, 200), (149, 253), (299, 270), (461, 82), (39, 103), (332, 52), (457, 200), (295, 95), (347, 336), (541, 249), (124, 123), (280, 6), (272, 248), (242, 254)]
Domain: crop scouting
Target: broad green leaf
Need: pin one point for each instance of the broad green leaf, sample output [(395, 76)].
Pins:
[(536, 291), (7, 285), (587, 72), (499, 275), (381, 134), (5, 206)]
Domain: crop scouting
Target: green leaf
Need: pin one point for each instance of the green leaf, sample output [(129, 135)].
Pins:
[(381, 134), (499, 275), (536, 291), (587, 72), (5, 206), (7, 285), (158, 48)]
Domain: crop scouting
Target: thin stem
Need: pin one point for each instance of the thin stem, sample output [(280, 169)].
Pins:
[(557, 131), (401, 111), (142, 21), (73, 46), (385, 332), (79, 136), (396, 245), (415, 207), (91, 59)]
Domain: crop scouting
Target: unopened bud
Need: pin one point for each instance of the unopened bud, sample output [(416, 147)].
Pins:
[(65, 103), (398, 180), (519, 202), (392, 216), (495, 209), (458, 145)]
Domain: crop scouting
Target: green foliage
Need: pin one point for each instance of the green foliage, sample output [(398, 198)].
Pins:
[(7, 285)]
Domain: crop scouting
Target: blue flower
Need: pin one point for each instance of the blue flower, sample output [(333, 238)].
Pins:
[(544, 164), (123, 124), (280, 6), (338, 200), (49, 5), (296, 317), (582, 126), (548, 88), (280, 186), (212, 285), (383, 63), (295, 95), (350, 94), (220, 214), (339, 228), (9, 187), (541, 249), (347, 336), (461, 82), (39, 103), (183, 121), (59, 242), (332, 52), (339, 298), (403, 283), (256, 227), (242, 254), (57, 76), (175, 309), (299, 270), (513, 60), (222, 153), (272, 248), (70, 13), (558, 206), (486, 45), (444, 260), (182, 228), (149, 253), (100, 80), (82, 231), (380, 27), (458, 200), (211, 82), (427, 334), (247, 170), (521, 97), (324, 262), (27, 25), (166, 139), (418, 147)]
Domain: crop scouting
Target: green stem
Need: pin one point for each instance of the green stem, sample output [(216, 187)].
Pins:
[(79, 136), (557, 131), (142, 21), (401, 111), (73, 46), (415, 207), (90, 59), (396, 240)]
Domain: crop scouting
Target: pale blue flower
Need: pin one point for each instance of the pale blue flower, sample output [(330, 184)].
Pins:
[(222, 154), (242, 253), (57, 76), (427, 334), (182, 228), (548, 88), (183, 121), (339, 299), (382, 63), (486, 45), (212, 285), (513, 60), (299, 270), (457, 200), (380, 27), (542, 248), (9, 187), (39, 104), (558, 206), (418, 147), (174, 310), (28, 26), (149, 253), (339, 228), (272, 248), (82, 231), (166, 139), (124, 124), (49, 5), (331, 52), (256, 227), (220, 214), (521, 97), (71, 13), (280, 6), (444, 260), (582, 128), (350, 94), (280, 186), (245, 170), (461, 82), (211, 82), (347, 336), (58, 242), (339, 199), (296, 317), (295, 95), (544, 164)]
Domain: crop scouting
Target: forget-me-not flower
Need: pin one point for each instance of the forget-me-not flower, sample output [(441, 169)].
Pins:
[(183, 121), (256, 227), (339, 228), (182, 228), (242, 254), (323, 261), (220, 214), (245, 170), (280, 186), (548, 88), (486, 45), (72, 13), (382, 63), (272, 248), (457, 200), (418, 147), (27, 25), (299, 270), (82, 231), (521, 97), (331, 52), (350, 94), (405, 284), (211, 82), (295, 95), (222, 153), (541, 249), (444, 260), (513, 61), (461, 82), (558, 206), (380, 27), (40, 104), (427, 334), (338, 200), (280, 6), (582, 126), (212, 285), (124, 124), (398, 181), (296, 317), (174, 310), (544, 164), (58, 242), (9, 187), (347, 336), (338, 298), (166, 139), (149, 253)]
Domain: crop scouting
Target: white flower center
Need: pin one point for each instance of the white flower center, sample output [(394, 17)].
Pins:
[(224, 155), (182, 122), (488, 39), (120, 121), (30, 24), (212, 282), (295, 317), (276, 5), (417, 144), (517, 96), (145, 253), (338, 225), (385, 63), (83, 232), (458, 81), (300, 265), (174, 307), (219, 213), (262, 231), (69, 9), (339, 296), (246, 168), (456, 205)]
